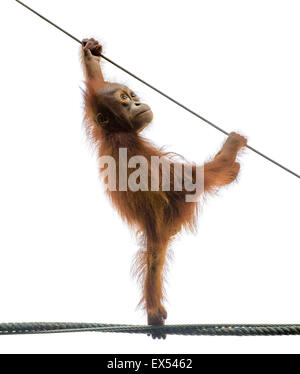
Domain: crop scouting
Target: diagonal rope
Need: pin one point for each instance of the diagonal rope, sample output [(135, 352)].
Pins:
[(191, 330), (161, 93)]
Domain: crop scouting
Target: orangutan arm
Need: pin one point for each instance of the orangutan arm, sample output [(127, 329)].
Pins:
[(91, 52)]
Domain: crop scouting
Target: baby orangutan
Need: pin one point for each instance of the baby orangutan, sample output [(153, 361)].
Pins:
[(114, 118)]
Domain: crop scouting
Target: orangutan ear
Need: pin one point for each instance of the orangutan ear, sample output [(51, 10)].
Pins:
[(101, 120)]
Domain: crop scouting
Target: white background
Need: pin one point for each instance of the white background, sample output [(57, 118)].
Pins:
[(66, 255)]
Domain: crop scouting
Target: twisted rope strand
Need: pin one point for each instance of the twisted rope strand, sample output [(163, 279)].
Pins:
[(192, 330)]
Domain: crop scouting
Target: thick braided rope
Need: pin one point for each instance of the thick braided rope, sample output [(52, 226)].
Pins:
[(196, 330)]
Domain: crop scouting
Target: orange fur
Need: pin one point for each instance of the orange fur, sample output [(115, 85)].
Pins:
[(157, 215)]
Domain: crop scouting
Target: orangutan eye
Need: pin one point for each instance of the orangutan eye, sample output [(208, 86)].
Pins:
[(133, 94), (124, 97)]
